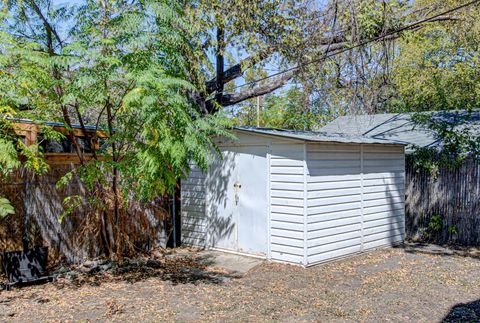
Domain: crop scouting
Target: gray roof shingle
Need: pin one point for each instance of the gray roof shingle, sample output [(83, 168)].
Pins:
[(400, 127)]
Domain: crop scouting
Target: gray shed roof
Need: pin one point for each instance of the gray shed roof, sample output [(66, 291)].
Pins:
[(314, 136), (400, 126)]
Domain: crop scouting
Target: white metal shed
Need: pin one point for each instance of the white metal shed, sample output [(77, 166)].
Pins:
[(297, 197)]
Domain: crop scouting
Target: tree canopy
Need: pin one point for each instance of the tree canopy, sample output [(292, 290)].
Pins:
[(127, 68), (431, 66), (162, 77), (436, 68)]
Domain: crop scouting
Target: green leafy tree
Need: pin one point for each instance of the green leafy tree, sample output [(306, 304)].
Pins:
[(283, 110), (10, 150), (344, 77), (437, 67), (129, 67), (457, 140), (243, 35)]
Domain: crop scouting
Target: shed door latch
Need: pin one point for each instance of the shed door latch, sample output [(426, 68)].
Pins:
[(237, 186)]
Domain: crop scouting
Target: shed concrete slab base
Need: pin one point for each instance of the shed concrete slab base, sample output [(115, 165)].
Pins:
[(233, 263)]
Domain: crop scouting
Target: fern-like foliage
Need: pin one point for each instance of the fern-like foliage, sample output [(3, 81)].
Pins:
[(132, 68)]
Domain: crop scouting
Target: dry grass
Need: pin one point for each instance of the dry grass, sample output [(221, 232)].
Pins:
[(384, 285)]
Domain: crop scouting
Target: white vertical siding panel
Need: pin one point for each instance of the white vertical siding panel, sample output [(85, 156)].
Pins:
[(305, 206), (269, 197), (362, 205), (384, 195), (355, 199), (334, 201), (287, 193)]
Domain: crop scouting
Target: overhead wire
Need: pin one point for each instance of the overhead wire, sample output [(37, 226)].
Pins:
[(361, 44)]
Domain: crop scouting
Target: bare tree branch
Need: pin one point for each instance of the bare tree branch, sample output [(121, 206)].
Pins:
[(46, 23), (234, 98), (237, 70)]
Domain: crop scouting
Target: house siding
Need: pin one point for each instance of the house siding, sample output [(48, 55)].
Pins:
[(334, 201)]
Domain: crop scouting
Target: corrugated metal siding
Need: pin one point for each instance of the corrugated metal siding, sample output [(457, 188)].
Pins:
[(193, 209), (384, 195), (287, 202), (353, 203)]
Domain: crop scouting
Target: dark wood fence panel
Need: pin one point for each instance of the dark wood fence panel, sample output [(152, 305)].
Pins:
[(444, 208), (38, 204)]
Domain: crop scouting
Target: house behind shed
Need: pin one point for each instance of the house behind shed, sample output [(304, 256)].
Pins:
[(403, 127), (297, 197)]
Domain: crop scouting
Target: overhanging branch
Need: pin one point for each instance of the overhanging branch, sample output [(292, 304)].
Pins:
[(237, 70), (46, 23), (338, 43), (234, 98)]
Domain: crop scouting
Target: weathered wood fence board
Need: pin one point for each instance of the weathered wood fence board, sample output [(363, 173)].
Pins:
[(38, 199), (453, 196)]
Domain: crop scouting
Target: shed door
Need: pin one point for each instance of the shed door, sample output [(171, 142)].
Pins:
[(252, 199), (238, 200)]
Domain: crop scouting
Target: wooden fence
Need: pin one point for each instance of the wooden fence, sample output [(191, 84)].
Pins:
[(444, 208), (38, 203), (440, 209)]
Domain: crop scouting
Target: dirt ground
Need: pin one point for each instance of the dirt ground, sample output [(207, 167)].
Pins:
[(397, 285)]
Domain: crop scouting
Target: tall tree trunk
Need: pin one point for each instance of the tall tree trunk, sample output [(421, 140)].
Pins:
[(220, 62), (116, 199)]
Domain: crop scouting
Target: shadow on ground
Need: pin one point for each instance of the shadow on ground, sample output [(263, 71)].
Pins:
[(177, 269), (468, 312), (432, 249)]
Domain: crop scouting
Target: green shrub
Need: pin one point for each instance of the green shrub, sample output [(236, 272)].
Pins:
[(435, 224)]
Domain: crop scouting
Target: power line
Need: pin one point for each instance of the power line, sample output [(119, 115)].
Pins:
[(410, 26)]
